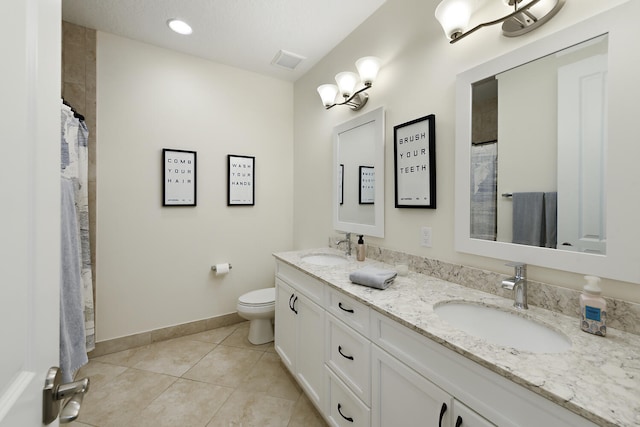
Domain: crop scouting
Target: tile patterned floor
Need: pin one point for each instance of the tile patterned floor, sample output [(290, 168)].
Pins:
[(211, 379)]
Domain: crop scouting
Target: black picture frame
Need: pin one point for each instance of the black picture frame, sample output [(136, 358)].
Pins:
[(241, 180), (414, 155), (179, 177), (367, 185)]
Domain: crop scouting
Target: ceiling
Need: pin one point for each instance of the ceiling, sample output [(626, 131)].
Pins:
[(246, 34)]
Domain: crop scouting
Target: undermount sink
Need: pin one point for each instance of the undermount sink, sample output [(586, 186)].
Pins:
[(325, 259), (503, 328)]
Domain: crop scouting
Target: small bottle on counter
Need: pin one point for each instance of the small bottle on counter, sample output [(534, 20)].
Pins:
[(593, 308), (360, 248)]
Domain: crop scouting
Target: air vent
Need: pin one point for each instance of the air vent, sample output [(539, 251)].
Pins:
[(287, 60)]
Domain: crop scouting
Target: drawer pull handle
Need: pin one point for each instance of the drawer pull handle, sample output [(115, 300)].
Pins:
[(348, 310), (459, 421), (340, 412), (293, 306), (442, 412), (344, 355), (290, 304)]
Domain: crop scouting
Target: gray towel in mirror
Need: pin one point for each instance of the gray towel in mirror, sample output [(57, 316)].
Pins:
[(551, 219), (528, 217), (373, 277)]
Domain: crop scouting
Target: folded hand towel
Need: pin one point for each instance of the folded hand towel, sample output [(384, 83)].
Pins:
[(373, 277)]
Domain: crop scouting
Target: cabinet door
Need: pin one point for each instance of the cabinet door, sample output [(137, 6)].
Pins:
[(465, 417), (310, 346), (285, 325), (401, 396)]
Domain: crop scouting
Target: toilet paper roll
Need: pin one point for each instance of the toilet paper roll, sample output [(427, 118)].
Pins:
[(222, 269)]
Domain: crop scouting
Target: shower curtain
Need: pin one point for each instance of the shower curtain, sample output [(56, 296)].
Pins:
[(484, 189), (77, 336)]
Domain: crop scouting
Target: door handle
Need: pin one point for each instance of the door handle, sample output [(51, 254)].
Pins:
[(54, 392), (293, 305)]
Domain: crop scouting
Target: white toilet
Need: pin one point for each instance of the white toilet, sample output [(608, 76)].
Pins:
[(259, 308)]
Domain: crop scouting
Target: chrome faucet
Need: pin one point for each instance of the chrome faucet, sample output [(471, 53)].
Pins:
[(518, 284), (346, 240)]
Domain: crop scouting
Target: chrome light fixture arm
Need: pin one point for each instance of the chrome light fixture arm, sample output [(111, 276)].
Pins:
[(355, 101), (520, 21)]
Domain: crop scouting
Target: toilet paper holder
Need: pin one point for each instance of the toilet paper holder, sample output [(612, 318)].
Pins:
[(214, 268)]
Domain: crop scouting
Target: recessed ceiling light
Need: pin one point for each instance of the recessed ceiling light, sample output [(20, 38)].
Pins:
[(179, 26)]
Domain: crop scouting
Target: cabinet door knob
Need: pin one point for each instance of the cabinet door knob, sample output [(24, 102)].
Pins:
[(344, 355), (459, 421), (340, 412), (348, 310), (442, 412)]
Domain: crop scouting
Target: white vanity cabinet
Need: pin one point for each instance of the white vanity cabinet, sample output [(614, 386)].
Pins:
[(494, 399), (361, 367), (299, 329)]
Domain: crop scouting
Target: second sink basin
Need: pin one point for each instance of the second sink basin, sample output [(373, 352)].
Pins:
[(325, 259), (501, 327)]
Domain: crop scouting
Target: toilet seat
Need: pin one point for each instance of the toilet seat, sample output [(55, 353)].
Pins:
[(258, 298)]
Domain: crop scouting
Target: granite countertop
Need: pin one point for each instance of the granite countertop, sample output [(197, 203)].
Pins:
[(598, 378)]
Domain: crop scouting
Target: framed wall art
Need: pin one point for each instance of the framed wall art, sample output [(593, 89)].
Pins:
[(367, 192), (241, 180), (178, 177), (415, 163)]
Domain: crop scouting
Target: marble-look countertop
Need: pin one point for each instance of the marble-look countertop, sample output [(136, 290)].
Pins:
[(598, 378)]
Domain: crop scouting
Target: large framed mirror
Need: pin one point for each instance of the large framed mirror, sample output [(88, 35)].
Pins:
[(358, 175), (540, 152)]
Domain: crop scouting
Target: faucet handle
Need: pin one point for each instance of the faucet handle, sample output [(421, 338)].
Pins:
[(520, 268), (515, 264)]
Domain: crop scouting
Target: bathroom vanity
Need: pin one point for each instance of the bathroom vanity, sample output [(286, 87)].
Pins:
[(383, 358)]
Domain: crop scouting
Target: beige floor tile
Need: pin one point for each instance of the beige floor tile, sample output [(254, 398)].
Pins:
[(239, 338), (77, 424), (251, 409), (99, 373), (214, 336), (185, 403), (224, 366), (173, 357), (123, 358), (305, 414), (268, 375), (122, 398)]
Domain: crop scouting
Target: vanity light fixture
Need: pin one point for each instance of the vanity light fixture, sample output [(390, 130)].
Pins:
[(527, 15), (353, 96), (179, 26)]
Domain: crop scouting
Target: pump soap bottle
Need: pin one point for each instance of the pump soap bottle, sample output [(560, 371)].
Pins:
[(360, 248), (593, 308)]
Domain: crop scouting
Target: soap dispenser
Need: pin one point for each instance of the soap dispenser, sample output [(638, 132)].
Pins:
[(360, 248), (593, 308)]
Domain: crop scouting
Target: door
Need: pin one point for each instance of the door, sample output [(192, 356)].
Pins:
[(310, 347), (401, 396), (463, 416), (30, 194), (582, 129), (285, 325)]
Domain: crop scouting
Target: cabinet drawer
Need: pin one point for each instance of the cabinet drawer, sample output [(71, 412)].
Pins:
[(344, 409), (349, 355), (350, 311), (309, 286)]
